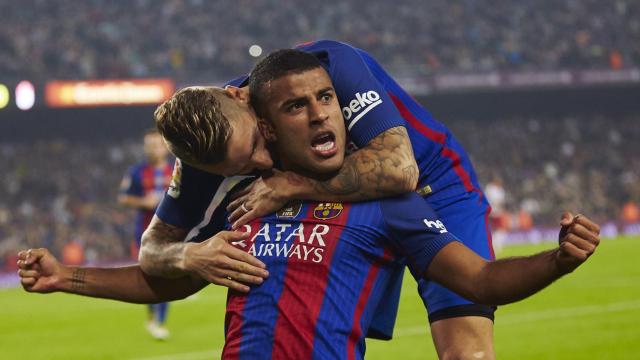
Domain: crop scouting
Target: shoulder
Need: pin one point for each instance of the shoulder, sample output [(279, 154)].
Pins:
[(409, 204)]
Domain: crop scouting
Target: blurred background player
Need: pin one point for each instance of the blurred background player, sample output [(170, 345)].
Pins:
[(142, 189)]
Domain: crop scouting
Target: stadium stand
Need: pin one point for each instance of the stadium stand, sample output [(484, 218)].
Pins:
[(198, 40)]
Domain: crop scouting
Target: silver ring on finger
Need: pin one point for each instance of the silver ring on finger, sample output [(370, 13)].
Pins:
[(244, 208), (229, 278)]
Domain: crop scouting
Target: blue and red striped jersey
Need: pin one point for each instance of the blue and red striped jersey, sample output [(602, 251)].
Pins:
[(372, 102), (329, 266), (143, 179)]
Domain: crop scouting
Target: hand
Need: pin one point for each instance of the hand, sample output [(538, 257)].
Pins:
[(151, 201), (217, 261), (264, 196), (579, 237), (39, 270)]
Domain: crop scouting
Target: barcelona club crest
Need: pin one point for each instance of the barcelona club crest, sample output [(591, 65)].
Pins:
[(326, 211)]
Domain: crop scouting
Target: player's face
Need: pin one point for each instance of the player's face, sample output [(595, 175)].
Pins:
[(246, 149), (306, 122), (154, 148)]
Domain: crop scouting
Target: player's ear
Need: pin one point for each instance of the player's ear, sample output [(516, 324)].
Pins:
[(237, 93), (267, 130)]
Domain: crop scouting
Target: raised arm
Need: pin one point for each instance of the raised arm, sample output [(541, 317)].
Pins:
[(41, 272), (164, 253), (385, 167), (509, 280)]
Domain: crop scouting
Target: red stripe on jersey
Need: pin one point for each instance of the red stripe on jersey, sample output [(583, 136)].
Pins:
[(148, 179), (303, 291), (446, 152), (486, 226), (437, 137), (233, 318), (356, 331)]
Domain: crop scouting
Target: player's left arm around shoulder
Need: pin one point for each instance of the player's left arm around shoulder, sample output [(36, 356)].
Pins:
[(386, 166)]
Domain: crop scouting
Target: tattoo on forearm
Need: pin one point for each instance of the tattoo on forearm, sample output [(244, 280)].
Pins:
[(77, 279), (163, 245), (410, 175), (366, 173)]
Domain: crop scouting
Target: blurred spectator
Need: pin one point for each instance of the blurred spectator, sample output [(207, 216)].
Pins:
[(197, 40), (630, 213), (56, 192)]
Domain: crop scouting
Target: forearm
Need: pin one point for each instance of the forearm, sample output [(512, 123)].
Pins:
[(163, 251), (385, 167), (134, 202), (127, 284), (492, 282), (513, 279)]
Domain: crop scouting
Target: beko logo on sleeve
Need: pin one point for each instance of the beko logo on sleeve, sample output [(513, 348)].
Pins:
[(358, 107)]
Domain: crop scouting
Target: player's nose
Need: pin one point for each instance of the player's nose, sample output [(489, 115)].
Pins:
[(317, 113)]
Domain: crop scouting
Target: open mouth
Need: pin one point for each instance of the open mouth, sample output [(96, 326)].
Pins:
[(324, 144)]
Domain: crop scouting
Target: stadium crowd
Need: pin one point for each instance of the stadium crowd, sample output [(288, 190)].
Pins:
[(62, 194), (197, 40)]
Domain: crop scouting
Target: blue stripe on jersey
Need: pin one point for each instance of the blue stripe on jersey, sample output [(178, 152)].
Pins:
[(357, 251)]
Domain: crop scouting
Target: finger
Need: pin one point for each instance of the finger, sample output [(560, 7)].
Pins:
[(235, 204), (243, 192), (569, 249), (252, 265), (28, 273), (586, 222), (244, 278), (580, 243), (235, 215), (232, 236), (231, 284), (22, 255), (584, 233), (245, 219), (566, 218), (240, 262), (27, 282), (33, 255)]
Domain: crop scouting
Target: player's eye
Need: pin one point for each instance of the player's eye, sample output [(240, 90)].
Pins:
[(295, 106), (325, 98)]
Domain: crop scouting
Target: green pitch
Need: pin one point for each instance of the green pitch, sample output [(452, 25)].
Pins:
[(592, 314)]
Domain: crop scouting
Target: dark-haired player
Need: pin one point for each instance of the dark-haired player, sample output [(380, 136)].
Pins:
[(401, 149), (330, 263)]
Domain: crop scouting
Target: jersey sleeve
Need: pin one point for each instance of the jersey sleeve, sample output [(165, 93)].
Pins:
[(131, 183), (415, 230), (367, 108), (188, 197)]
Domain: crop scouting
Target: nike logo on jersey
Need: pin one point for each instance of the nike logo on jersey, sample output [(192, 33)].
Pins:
[(358, 107)]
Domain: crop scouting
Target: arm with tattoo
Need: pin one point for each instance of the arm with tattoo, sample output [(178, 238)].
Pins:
[(164, 253), (41, 272), (163, 250), (385, 167)]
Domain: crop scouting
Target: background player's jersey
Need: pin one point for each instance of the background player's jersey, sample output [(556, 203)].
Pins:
[(143, 179), (329, 267)]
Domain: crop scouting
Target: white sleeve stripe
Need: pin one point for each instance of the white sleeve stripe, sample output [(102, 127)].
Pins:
[(355, 119), (224, 188)]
